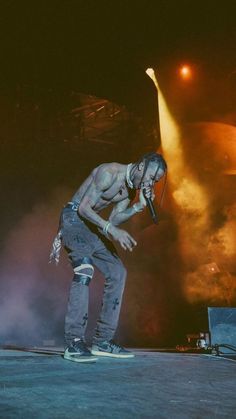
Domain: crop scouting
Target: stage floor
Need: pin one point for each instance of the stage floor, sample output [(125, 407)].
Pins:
[(151, 385)]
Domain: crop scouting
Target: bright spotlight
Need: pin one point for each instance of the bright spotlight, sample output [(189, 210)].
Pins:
[(151, 73), (187, 193), (185, 72)]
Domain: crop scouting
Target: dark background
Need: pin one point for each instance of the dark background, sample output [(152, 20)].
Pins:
[(104, 47)]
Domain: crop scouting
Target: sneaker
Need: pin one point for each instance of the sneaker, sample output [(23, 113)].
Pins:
[(110, 348), (77, 351)]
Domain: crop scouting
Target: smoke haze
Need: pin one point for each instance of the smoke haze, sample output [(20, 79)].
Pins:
[(33, 293), (186, 261)]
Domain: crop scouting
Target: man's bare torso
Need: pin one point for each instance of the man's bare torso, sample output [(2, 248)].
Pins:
[(109, 179)]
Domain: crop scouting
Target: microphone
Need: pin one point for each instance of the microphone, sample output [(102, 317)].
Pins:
[(151, 207)]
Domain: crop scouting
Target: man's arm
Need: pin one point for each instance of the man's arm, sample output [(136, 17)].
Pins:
[(122, 212), (102, 182)]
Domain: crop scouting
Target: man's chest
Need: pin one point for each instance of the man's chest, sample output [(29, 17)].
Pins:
[(115, 193)]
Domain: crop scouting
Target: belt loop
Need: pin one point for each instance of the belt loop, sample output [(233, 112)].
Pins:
[(73, 205)]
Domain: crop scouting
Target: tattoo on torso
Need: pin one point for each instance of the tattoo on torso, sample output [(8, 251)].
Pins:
[(116, 192)]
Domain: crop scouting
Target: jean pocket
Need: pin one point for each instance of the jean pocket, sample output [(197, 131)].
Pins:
[(69, 218)]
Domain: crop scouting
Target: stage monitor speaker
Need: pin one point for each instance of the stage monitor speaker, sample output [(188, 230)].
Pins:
[(222, 327)]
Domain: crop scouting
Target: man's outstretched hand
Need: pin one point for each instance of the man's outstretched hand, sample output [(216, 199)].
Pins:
[(125, 240)]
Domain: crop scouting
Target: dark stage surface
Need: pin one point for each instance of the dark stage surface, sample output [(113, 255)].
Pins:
[(152, 385)]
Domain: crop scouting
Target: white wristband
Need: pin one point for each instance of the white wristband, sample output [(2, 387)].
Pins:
[(105, 228), (135, 207)]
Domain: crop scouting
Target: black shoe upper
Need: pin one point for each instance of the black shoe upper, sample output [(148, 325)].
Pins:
[(79, 347), (112, 347)]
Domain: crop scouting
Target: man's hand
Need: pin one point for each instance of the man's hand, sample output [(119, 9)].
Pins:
[(149, 193), (122, 237), (142, 203)]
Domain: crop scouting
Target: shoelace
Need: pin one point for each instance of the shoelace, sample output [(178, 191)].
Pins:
[(80, 344), (115, 345)]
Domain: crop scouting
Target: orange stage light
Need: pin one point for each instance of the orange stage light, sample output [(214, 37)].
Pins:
[(185, 72)]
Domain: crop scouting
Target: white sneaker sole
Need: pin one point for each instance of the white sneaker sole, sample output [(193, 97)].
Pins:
[(76, 358), (110, 354)]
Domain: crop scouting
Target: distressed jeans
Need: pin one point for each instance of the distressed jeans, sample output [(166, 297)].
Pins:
[(82, 239)]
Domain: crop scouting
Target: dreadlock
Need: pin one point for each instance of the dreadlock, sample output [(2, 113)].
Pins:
[(155, 158)]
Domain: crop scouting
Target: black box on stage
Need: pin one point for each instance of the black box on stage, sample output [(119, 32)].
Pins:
[(222, 327)]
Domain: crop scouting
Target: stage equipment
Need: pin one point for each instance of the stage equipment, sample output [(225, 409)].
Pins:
[(196, 343), (200, 340), (222, 326)]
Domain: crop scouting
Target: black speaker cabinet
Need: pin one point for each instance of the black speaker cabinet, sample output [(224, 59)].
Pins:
[(222, 327)]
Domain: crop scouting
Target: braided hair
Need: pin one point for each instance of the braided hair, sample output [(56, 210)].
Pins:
[(153, 157)]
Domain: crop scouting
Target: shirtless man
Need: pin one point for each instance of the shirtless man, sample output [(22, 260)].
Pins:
[(87, 238)]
